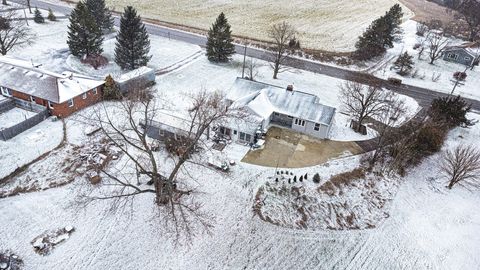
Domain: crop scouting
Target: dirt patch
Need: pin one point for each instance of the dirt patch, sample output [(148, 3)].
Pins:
[(47, 241), (426, 11), (288, 149)]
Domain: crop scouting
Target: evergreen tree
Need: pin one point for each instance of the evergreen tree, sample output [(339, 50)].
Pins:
[(38, 18), (103, 16), (51, 16), (451, 111), (404, 63), (133, 43), (220, 43), (379, 35), (84, 36), (110, 89)]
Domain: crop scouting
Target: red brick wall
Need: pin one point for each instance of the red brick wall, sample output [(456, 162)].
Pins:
[(63, 110)]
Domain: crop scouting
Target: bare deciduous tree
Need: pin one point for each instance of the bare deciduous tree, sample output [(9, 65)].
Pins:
[(252, 69), (281, 34), (387, 125), (363, 101), (461, 164), (13, 32), (437, 43), (125, 123)]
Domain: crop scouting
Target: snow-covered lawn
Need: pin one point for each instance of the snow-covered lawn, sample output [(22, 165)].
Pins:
[(29, 145), (426, 73), (50, 50), (14, 116)]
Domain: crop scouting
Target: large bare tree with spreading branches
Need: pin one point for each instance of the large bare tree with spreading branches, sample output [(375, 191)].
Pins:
[(461, 164), (13, 32), (281, 35), (125, 124), (362, 102), (436, 44)]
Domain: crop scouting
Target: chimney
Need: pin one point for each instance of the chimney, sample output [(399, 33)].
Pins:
[(290, 87)]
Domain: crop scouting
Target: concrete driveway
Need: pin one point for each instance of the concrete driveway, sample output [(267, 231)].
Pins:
[(287, 149)]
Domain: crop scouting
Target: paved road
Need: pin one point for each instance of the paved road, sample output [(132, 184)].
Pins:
[(422, 95)]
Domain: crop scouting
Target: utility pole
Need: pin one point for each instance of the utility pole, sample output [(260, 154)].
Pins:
[(26, 19), (244, 58), (457, 81)]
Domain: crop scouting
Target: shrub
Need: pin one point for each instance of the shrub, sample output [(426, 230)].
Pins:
[(301, 178), (51, 16), (306, 176), (38, 18), (430, 139), (460, 76), (316, 178), (346, 178), (111, 90)]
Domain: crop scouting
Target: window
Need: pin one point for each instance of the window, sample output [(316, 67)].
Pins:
[(276, 114), (299, 122), (84, 96), (32, 98), (161, 132), (467, 58), (50, 105), (291, 117), (245, 137), (234, 132), (316, 127), (452, 56), (70, 103), (95, 91)]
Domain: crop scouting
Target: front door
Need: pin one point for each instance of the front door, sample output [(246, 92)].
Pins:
[(6, 91)]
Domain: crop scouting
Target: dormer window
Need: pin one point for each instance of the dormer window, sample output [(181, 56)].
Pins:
[(70, 103), (95, 91), (32, 99), (84, 96)]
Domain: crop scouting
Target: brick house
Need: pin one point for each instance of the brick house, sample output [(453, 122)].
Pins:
[(62, 94)]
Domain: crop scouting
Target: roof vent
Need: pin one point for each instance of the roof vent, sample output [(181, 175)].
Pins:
[(290, 87)]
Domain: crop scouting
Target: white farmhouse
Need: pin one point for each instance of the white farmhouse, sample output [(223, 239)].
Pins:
[(273, 105)]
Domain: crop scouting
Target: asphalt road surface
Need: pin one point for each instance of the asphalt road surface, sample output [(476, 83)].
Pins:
[(422, 95)]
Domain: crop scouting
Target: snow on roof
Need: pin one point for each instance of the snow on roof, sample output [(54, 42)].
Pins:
[(270, 98), (134, 73), (23, 76), (473, 51)]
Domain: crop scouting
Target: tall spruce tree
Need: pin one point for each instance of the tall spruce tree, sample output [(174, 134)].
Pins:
[(84, 36), (103, 16), (133, 43), (379, 35), (220, 43)]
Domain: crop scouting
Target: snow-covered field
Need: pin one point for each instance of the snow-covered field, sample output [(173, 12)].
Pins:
[(321, 24), (13, 117), (425, 71)]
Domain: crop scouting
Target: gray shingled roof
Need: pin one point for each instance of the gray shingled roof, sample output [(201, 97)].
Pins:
[(21, 76), (271, 98)]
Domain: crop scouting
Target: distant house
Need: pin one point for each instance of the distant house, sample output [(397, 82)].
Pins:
[(62, 94), (465, 54), (273, 105), (167, 126)]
